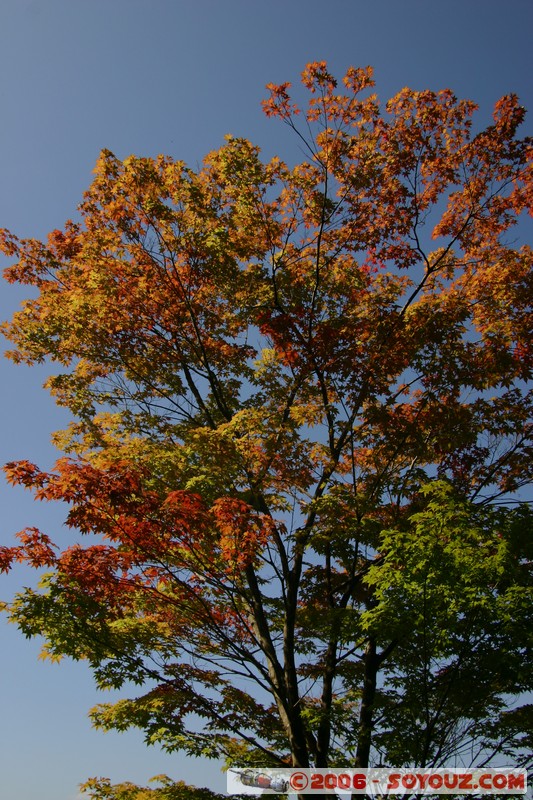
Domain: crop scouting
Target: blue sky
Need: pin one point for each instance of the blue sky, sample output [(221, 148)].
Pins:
[(171, 76)]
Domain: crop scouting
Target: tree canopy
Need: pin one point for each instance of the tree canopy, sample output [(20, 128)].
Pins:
[(301, 400), (102, 789)]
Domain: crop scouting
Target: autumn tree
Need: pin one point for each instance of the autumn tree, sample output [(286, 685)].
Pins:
[(102, 789), (301, 410)]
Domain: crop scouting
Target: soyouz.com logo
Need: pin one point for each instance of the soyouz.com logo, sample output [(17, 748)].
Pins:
[(377, 781)]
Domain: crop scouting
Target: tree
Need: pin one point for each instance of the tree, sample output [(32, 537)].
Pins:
[(102, 789), (302, 417)]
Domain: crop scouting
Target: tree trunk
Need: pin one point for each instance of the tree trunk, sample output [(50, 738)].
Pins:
[(372, 662)]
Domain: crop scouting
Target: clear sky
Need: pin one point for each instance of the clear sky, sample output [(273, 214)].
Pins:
[(172, 76)]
